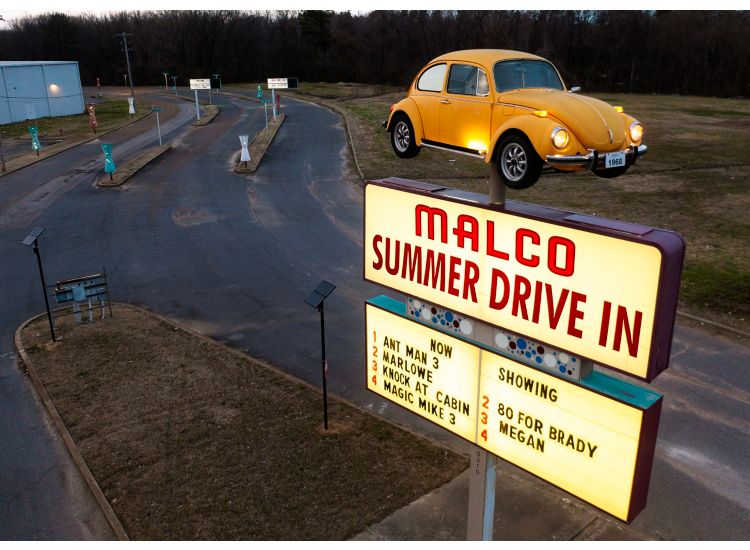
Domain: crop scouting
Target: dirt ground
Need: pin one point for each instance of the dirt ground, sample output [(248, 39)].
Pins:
[(190, 440)]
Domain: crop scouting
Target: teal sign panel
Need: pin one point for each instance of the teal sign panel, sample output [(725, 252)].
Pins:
[(109, 163), (34, 131)]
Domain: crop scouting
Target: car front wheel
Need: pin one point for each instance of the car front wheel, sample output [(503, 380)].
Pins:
[(517, 162), (402, 138)]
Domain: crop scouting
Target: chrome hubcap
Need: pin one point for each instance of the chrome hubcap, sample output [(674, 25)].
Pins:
[(401, 136), (513, 162)]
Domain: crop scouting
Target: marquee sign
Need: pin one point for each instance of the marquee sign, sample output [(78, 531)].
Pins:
[(594, 439), (598, 288)]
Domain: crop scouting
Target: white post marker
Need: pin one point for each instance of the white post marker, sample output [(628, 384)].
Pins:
[(245, 154), (157, 110), (131, 107)]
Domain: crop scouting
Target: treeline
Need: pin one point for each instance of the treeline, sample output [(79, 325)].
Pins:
[(682, 52)]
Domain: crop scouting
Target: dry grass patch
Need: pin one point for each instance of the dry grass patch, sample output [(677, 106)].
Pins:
[(695, 180), (189, 440)]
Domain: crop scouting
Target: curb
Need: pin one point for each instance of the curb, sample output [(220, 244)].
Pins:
[(70, 444), (130, 168), (255, 162), (211, 112), (346, 124), (72, 145)]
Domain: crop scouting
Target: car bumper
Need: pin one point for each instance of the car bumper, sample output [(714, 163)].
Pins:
[(593, 159)]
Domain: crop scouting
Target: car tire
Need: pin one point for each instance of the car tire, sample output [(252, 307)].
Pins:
[(402, 137), (611, 172), (517, 162)]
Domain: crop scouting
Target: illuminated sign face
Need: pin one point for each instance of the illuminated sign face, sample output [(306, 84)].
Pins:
[(606, 293), (595, 441)]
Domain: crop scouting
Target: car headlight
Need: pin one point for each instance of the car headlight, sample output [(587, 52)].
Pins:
[(560, 138), (636, 131)]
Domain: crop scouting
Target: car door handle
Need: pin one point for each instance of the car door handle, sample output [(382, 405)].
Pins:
[(445, 101)]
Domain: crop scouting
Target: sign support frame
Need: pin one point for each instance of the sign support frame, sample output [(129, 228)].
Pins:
[(479, 525)]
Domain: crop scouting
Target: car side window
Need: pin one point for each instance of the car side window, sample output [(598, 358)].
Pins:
[(432, 79), (468, 80)]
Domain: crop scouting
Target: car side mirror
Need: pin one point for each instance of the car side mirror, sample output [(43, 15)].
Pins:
[(575, 90)]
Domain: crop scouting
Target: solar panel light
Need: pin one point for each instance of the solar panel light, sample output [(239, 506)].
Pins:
[(31, 240), (321, 292), (33, 236), (316, 299)]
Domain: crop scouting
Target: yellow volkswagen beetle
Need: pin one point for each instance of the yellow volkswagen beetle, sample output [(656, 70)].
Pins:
[(514, 108)]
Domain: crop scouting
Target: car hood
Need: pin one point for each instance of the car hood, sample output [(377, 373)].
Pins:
[(590, 119)]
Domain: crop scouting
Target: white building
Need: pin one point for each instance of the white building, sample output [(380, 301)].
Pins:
[(36, 89)]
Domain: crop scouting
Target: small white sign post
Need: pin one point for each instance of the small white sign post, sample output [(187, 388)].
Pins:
[(157, 110), (199, 84), (245, 154), (131, 107)]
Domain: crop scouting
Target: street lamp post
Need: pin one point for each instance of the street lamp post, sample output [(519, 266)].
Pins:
[(166, 82), (32, 241), (174, 84)]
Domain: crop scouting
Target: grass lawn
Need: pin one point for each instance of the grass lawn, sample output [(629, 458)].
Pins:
[(695, 180), (110, 113), (190, 440)]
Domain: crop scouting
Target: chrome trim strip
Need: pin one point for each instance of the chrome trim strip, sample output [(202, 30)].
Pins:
[(593, 159), (449, 150)]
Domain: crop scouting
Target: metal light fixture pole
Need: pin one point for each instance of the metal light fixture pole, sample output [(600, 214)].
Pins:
[(174, 84), (316, 299), (32, 240), (2, 154), (127, 60), (166, 82)]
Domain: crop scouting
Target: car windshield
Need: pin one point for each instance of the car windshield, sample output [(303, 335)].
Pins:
[(525, 73)]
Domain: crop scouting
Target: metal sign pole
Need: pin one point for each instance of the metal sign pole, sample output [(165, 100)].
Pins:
[(209, 97), (197, 109), (44, 289), (481, 496), (273, 102), (325, 365), (158, 126), (265, 112), (497, 188)]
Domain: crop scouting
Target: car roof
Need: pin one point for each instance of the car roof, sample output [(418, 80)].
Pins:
[(485, 57)]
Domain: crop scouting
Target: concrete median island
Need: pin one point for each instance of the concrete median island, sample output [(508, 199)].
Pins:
[(189, 439)]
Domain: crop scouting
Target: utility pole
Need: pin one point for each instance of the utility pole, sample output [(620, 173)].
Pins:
[(127, 59)]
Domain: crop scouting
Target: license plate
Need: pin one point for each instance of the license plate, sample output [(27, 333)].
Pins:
[(614, 160)]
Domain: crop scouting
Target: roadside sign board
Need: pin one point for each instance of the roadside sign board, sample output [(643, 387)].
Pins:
[(200, 83), (594, 439), (34, 131), (277, 83), (600, 289), (109, 163), (244, 153)]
